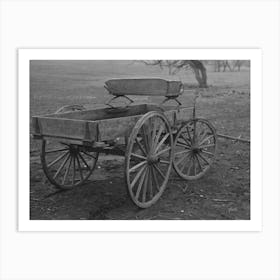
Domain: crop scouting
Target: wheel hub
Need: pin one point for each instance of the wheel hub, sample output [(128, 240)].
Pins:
[(73, 149), (152, 159), (195, 149)]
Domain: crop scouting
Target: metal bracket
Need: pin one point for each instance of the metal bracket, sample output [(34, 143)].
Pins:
[(108, 103), (170, 98), (196, 95)]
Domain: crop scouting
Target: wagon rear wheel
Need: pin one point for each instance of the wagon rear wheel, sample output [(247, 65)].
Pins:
[(194, 149), (67, 165), (149, 159)]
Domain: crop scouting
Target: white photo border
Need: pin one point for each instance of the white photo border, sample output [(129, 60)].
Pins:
[(24, 222)]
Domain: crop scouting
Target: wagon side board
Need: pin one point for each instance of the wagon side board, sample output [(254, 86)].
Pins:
[(70, 129), (87, 131)]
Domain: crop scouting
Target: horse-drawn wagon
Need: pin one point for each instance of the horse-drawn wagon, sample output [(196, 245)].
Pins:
[(153, 138)]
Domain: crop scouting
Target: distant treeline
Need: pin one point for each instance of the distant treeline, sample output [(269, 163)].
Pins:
[(227, 65)]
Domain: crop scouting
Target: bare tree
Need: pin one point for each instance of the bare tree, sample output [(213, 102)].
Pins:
[(174, 66), (217, 65), (222, 64), (237, 64)]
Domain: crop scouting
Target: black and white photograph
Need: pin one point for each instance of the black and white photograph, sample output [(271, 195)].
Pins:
[(140, 139)]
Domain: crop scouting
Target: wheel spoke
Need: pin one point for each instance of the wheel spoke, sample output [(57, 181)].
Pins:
[(67, 171), (138, 156), (190, 166), (161, 142), (206, 152), (83, 160), (150, 182), (145, 186), (204, 159), (145, 138), (164, 161), (181, 152), (187, 127), (136, 178), (185, 163), (158, 136), (163, 151), (80, 169), (57, 159), (194, 165), (89, 155), (74, 170), (61, 166), (198, 162), (207, 146), (154, 177), (148, 131), (135, 167), (140, 184), (141, 146), (58, 150), (182, 145), (205, 139), (203, 135), (187, 141), (154, 133), (182, 158), (159, 171)]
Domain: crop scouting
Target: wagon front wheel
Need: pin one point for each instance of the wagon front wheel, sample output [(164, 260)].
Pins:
[(149, 159), (67, 165), (194, 149)]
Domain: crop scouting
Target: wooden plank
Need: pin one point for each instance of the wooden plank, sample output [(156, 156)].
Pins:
[(118, 127), (153, 87), (76, 129)]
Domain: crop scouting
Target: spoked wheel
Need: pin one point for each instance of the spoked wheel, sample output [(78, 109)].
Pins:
[(67, 165), (194, 149), (148, 160)]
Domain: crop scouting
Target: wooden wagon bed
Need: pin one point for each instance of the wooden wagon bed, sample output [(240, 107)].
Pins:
[(103, 124)]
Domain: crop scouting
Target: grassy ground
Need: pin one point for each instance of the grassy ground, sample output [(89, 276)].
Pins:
[(223, 193)]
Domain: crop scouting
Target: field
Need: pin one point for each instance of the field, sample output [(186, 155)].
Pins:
[(223, 193)]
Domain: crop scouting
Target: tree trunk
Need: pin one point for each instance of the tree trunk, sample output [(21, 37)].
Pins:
[(199, 72)]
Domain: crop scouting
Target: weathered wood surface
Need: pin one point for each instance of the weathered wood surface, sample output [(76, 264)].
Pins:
[(151, 87), (100, 124), (64, 128)]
